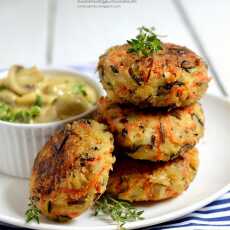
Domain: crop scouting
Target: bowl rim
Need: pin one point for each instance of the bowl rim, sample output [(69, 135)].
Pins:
[(53, 68)]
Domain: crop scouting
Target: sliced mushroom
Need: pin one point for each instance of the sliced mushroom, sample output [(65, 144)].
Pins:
[(22, 80)]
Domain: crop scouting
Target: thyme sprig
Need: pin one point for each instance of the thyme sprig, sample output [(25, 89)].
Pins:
[(32, 213), (120, 211), (145, 43)]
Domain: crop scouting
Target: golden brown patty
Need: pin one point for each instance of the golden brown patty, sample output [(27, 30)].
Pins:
[(152, 135), (173, 76), (71, 171), (135, 180)]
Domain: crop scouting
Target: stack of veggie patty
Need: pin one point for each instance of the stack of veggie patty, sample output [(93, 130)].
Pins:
[(152, 110)]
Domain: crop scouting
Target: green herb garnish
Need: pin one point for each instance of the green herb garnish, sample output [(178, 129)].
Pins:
[(38, 101), (22, 116), (120, 211), (146, 42), (25, 116), (32, 213), (79, 89)]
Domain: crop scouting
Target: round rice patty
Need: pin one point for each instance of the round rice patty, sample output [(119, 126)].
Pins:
[(174, 76), (134, 180), (71, 171), (152, 135)]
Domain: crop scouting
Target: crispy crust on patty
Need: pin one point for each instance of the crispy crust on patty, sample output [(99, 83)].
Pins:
[(174, 76), (156, 135), (134, 180), (71, 170)]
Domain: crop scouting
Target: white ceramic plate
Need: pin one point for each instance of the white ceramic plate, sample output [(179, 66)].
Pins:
[(213, 180)]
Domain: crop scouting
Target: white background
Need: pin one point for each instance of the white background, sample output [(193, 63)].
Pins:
[(59, 32)]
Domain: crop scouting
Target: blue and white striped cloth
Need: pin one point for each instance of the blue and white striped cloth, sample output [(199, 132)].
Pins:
[(215, 215)]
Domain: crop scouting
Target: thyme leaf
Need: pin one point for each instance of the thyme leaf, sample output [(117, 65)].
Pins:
[(32, 213)]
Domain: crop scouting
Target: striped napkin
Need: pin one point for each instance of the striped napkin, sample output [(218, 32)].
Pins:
[(215, 215)]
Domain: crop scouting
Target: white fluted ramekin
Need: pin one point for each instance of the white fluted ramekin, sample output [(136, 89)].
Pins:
[(20, 143)]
